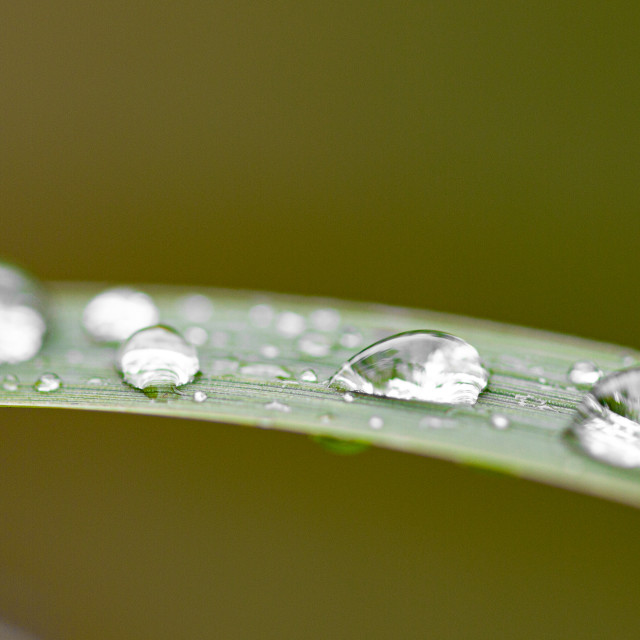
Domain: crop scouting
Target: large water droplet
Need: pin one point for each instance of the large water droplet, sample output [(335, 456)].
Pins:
[(22, 319), (309, 375), (115, 314), (607, 422), (10, 382), (584, 373), (417, 365), (157, 356), (47, 382), (290, 324)]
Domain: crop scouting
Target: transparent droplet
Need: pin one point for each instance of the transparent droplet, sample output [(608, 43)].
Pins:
[(348, 397), (499, 421), (199, 396), (309, 375), (115, 314), (325, 319), (584, 373), (607, 421), (265, 370), (47, 382), (433, 422), (290, 324), (95, 381), (261, 315), (197, 336), (417, 365), (196, 308), (351, 339), (157, 356), (315, 345), (275, 405), (22, 318), (10, 382), (269, 351), (376, 422)]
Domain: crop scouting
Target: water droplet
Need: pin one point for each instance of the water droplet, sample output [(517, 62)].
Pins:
[(290, 324), (499, 421), (199, 396), (416, 365), (269, 351), (261, 315), (115, 314), (376, 422), (351, 339), (94, 381), (196, 308), (348, 397), (157, 356), (315, 345), (47, 382), (584, 373), (607, 421), (274, 405), (309, 375), (433, 422), (325, 319), (10, 382), (264, 370), (22, 319), (197, 336)]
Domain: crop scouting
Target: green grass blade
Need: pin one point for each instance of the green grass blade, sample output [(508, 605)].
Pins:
[(528, 384)]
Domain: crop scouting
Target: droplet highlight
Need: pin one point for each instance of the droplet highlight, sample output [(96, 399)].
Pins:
[(157, 356), (584, 373), (199, 396), (117, 313), (275, 405), (47, 383), (417, 365), (309, 375), (10, 382), (500, 421)]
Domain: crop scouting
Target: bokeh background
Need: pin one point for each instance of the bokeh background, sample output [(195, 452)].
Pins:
[(471, 157)]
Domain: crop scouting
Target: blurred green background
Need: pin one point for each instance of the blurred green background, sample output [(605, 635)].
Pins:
[(470, 157)]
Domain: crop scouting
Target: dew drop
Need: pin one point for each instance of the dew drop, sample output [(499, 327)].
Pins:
[(157, 356), (325, 319), (309, 375), (197, 336), (275, 405), (417, 365), (348, 397), (47, 382), (199, 396), (196, 308), (351, 339), (265, 370), (315, 345), (376, 422), (10, 382), (499, 421), (269, 351), (261, 315), (433, 422), (22, 318), (584, 373), (607, 421), (115, 314), (290, 324), (95, 381)]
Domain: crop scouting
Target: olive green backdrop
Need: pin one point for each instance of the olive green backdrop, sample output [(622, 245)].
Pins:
[(477, 158)]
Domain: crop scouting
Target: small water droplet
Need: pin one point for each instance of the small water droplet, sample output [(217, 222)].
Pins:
[(416, 365), (315, 345), (264, 370), (325, 319), (584, 373), (115, 314), (95, 381), (197, 336), (607, 421), (275, 405), (47, 382), (348, 397), (10, 382), (290, 324), (199, 396), (376, 422), (499, 421), (269, 351), (433, 422), (309, 375), (22, 318), (157, 356), (351, 338), (261, 315), (196, 308)]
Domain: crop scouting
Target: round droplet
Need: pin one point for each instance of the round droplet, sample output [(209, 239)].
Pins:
[(309, 375), (261, 315), (499, 421), (269, 351), (376, 422), (584, 373), (607, 421), (315, 345), (275, 405), (417, 365), (199, 396), (95, 381), (351, 339), (290, 324), (10, 382), (348, 397), (22, 318), (196, 308), (157, 356), (325, 319), (47, 382), (197, 336), (115, 314), (433, 422)]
